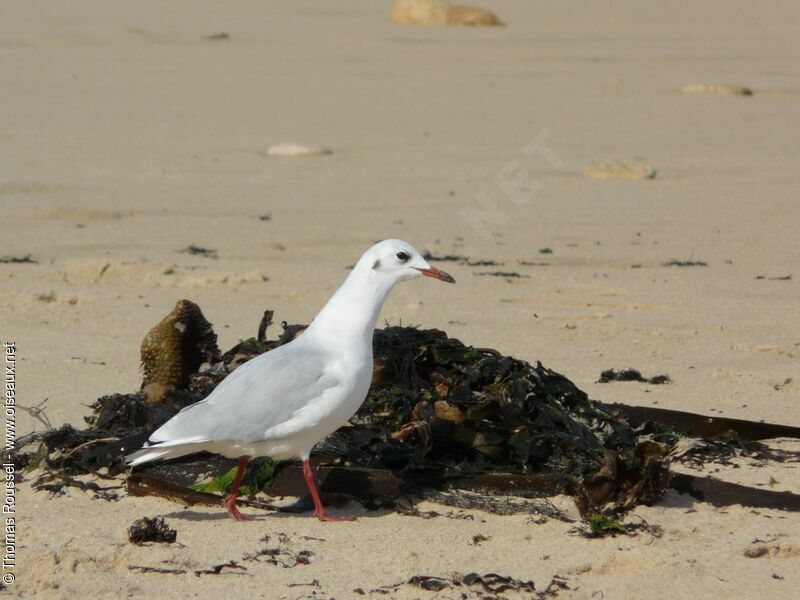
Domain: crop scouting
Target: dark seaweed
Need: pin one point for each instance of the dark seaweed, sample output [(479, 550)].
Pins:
[(631, 375), (233, 567), (18, 260), (506, 274), (684, 263), (199, 251), (464, 260), (533, 263), (151, 530), (490, 583), (777, 278)]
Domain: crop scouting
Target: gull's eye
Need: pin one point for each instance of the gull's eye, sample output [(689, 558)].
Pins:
[(402, 256)]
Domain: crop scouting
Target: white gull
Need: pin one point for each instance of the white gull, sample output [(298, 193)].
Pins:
[(281, 403)]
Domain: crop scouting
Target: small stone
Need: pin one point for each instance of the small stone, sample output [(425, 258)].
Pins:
[(294, 150), (439, 12), (721, 89), (756, 551), (621, 170)]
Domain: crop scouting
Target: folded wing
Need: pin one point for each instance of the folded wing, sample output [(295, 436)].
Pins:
[(258, 397)]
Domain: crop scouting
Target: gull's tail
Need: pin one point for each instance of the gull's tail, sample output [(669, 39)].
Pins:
[(171, 440), (159, 451)]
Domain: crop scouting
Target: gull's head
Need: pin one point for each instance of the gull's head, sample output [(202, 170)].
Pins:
[(393, 261)]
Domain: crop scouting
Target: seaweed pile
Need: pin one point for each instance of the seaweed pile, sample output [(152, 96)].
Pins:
[(439, 410), (440, 415)]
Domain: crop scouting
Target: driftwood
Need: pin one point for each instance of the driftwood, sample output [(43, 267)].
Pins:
[(705, 426)]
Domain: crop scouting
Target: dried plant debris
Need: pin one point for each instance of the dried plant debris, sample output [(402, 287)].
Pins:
[(599, 525), (490, 583), (57, 483), (413, 511), (684, 263), (199, 251), (722, 449), (532, 263), (631, 375), (159, 570), (557, 584), (484, 263), (461, 425), (496, 502), (151, 530), (313, 583), (464, 260), (505, 274), (228, 568), (776, 278), (279, 555), (38, 412), (18, 260), (427, 255)]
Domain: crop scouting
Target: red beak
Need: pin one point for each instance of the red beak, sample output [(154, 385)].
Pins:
[(437, 274)]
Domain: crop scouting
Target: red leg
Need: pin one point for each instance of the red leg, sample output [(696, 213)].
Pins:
[(230, 500), (319, 509)]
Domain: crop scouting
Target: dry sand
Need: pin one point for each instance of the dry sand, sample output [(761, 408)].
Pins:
[(127, 134)]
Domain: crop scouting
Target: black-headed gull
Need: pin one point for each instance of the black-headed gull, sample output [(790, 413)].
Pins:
[(281, 403)]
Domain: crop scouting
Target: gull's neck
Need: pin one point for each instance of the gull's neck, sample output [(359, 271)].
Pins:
[(350, 315)]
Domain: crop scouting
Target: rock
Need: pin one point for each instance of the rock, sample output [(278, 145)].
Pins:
[(620, 170), (420, 12), (721, 89), (440, 12), (294, 150), (468, 15)]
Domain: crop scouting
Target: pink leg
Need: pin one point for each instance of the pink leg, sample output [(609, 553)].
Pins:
[(230, 500), (319, 510)]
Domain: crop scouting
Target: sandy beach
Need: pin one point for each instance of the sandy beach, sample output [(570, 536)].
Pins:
[(130, 131)]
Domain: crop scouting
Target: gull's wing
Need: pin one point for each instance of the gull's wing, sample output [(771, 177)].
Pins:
[(261, 395)]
